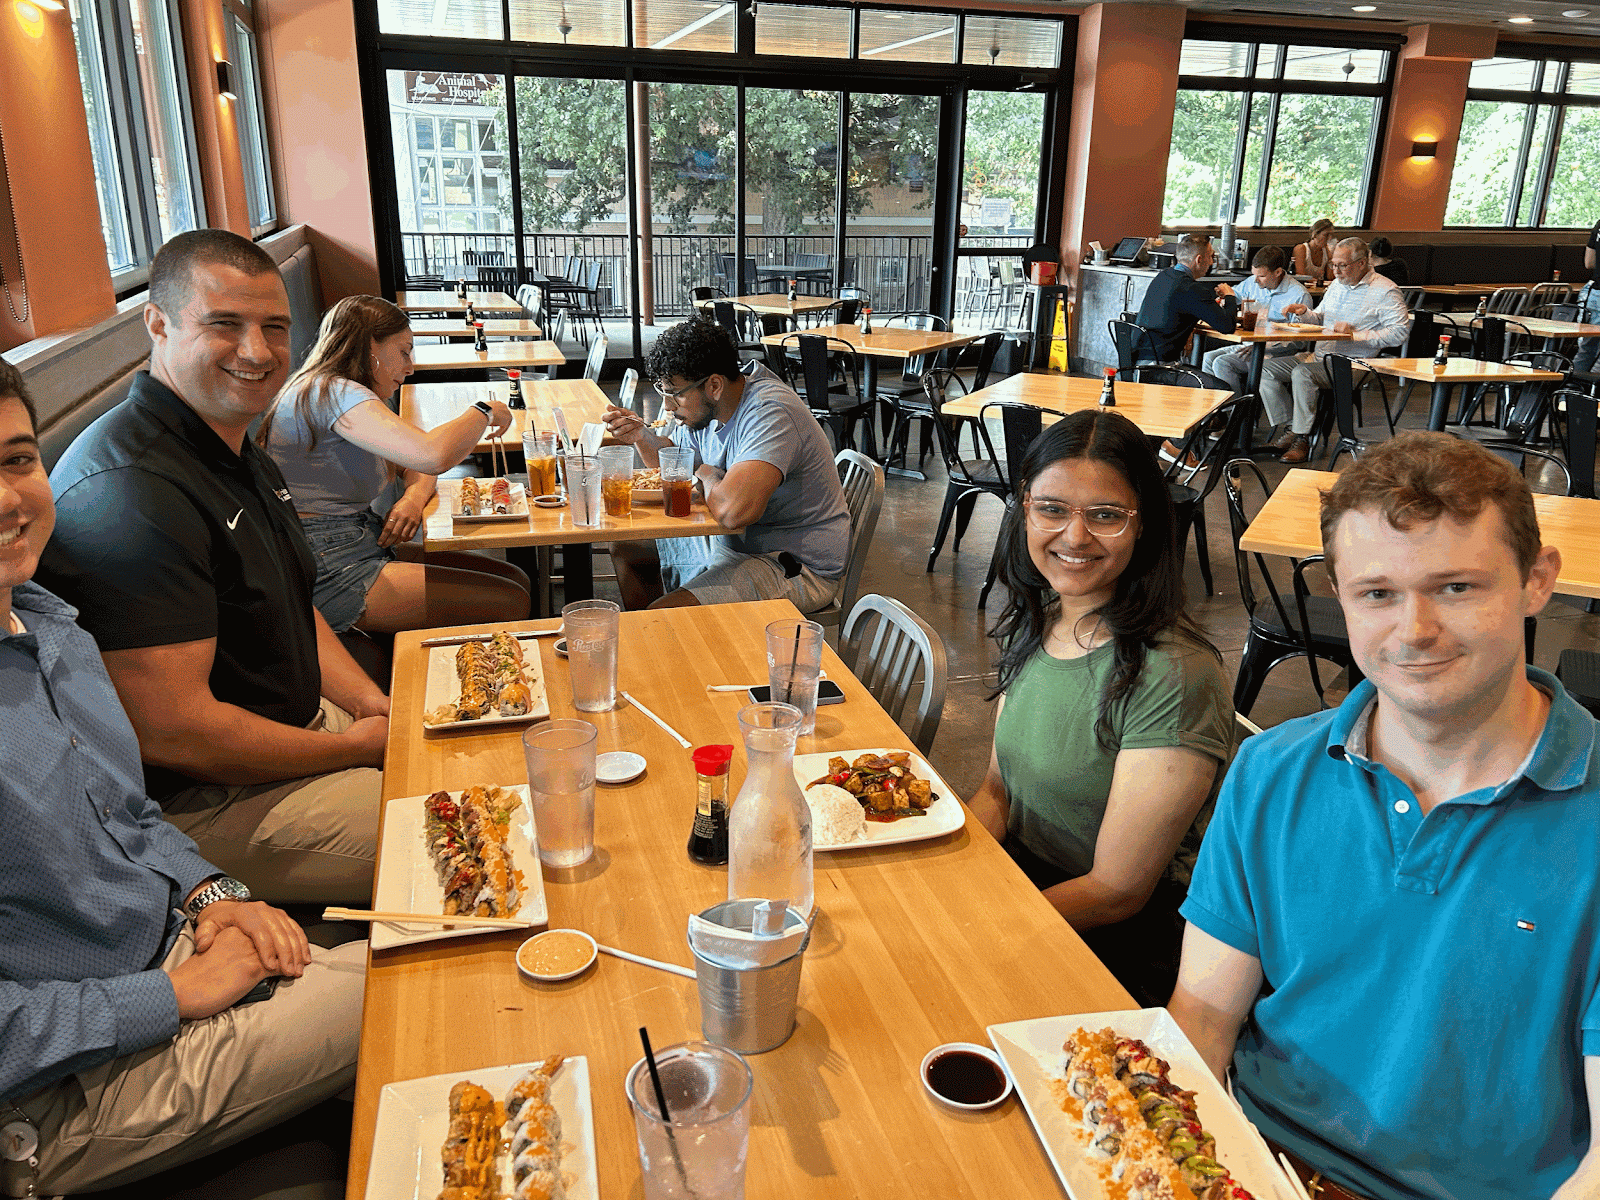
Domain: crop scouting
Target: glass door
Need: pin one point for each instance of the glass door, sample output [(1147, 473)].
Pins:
[(791, 191), (889, 192)]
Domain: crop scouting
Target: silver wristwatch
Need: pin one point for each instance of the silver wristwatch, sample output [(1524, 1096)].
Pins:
[(220, 888)]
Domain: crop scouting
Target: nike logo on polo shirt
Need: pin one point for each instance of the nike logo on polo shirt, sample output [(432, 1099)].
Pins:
[(236, 517)]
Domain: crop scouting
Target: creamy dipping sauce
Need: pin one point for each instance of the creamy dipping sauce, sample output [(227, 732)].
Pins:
[(557, 952)]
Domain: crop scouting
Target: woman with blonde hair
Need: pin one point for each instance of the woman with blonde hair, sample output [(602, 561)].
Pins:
[(1313, 258), (340, 446)]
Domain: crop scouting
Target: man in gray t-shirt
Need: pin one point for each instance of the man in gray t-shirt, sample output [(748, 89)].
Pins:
[(765, 467)]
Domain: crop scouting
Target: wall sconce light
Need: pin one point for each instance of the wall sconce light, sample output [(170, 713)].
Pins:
[(49, 5), (225, 78), (1424, 149)]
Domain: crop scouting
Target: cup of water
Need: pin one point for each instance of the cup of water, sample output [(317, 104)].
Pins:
[(591, 628), (794, 664), (697, 1152), (560, 759), (585, 478)]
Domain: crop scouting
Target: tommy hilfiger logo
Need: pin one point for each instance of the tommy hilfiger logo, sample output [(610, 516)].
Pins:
[(1528, 925)]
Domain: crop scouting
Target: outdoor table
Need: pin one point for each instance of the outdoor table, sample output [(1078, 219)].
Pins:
[(460, 330), (457, 356), (1270, 331), (448, 301), (429, 405), (914, 945), (1453, 372), (1289, 523), (1159, 409), (790, 271)]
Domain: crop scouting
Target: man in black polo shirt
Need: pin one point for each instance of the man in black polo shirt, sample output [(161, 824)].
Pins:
[(1179, 298), (178, 543)]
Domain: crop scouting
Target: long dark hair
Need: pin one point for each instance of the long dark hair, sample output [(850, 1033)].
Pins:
[(1149, 600), (344, 346)]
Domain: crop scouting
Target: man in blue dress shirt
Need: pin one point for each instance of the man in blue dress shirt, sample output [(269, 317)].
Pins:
[(1394, 924), (125, 955), (1271, 287)]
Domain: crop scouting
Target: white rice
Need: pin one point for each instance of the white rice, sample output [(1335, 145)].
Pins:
[(837, 817)]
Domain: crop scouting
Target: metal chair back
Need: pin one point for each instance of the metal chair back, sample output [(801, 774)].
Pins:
[(901, 660), (1508, 301), (628, 395), (597, 358), (862, 480), (1426, 328)]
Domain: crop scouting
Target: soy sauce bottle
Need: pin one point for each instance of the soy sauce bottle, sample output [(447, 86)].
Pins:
[(515, 400), (472, 317), (708, 840), (461, 289), (479, 342), (1442, 356), (791, 293), (866, 322), (1108, 396)]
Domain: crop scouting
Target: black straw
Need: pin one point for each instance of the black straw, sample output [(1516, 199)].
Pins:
[(794, 661), (655, 1075)]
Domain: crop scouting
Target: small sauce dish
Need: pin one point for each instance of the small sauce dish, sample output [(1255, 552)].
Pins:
[(965, 1076), (549, 501), (556, 954), (560, 647), (619, 766)]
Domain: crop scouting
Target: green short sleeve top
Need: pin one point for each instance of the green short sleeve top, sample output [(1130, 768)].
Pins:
[(1057, 775)]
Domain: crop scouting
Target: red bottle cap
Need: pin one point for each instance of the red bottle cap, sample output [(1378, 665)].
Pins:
[(1110, 371), (712, 760), (513, 373), (479, 324)]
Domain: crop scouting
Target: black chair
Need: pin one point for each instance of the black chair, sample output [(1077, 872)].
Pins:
[(1576, 410), (1228, 422), (894, 394), (743, 325), (1136, 350), (967, 479), (838, 405), (1517, 421), (1019, 425), (494, 279), (1341, 375), (1276, 632)]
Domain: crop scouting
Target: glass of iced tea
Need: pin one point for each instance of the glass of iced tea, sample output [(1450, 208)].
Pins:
[(616, 479), (677, 480), (1247, 315), (539, 450)]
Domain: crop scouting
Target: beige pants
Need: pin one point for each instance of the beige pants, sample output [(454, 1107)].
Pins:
[(221, 1080), (297, 841)]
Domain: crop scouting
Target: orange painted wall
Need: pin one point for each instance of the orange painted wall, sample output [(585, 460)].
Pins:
[(1125, 89), (1430, 89), (313, 102), (51, 179)]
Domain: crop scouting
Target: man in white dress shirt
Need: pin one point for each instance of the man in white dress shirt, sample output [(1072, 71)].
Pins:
[(1360, 302)]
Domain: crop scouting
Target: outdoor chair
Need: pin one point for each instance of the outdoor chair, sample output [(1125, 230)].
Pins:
[(901, 660)]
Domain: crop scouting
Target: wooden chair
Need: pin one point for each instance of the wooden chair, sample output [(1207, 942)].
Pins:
[(904, 665)]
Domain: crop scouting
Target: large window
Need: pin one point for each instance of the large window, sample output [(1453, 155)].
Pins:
[(250, 120), (1274, 134), (140, 127), (1527, 150)]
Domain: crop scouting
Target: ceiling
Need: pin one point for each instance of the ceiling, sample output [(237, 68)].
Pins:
[(1548, 21)]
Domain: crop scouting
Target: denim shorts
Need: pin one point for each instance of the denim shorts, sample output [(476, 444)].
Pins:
[(348, 562)]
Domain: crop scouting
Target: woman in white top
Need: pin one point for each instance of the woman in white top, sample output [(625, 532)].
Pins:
[(1313, 259), (340, 445)]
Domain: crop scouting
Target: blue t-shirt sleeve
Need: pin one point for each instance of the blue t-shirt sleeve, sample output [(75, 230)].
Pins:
[(1219, 894), (770, 439)]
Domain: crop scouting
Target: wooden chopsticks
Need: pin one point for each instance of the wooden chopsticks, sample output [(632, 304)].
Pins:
[(363, 914)]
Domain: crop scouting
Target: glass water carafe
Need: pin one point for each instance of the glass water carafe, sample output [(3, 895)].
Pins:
[(769, 825)]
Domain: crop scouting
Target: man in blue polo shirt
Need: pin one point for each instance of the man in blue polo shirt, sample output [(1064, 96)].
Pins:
[(1394, 924)]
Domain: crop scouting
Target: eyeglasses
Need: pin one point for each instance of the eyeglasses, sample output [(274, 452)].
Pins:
[(1345, 266), (1102, 520), (669, 394)]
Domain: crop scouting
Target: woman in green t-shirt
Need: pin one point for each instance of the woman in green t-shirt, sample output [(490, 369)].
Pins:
[(1115, 722)]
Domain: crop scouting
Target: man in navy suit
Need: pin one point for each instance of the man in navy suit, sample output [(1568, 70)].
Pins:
[(1179, 298)]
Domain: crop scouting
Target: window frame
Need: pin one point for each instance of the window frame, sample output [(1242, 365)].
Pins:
[(250, 116), (129, 123), (1270, 89), (1537, 96)]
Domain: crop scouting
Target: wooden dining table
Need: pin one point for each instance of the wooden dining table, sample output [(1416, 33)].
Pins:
[(913, 945), (1451, 373), (460, 356), (429, 405), (894, 343), (1266, 333), (1289, 523), (495, 327), (775, 303), (1161, 410), (448, 301), (1553, 332)]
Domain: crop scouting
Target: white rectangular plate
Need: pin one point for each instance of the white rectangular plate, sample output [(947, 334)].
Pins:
[(414, 1116), (945, 815), (408, 883), (444, 686), (450, 501), (1032, 1053)]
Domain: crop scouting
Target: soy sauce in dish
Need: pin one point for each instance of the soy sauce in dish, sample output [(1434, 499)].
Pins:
[(966, 1078)]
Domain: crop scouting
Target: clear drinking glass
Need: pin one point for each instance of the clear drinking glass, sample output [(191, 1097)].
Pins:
[(560, 759), (794, 664), (584, 478), (677, 480), (700, 1153), (539, 451), (591, 629), (616, 485)]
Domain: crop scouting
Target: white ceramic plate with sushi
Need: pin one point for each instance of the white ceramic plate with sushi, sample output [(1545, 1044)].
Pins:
[(1033, 1056), (450, 501), (944, 815), (408, 883), (414, 1116), (444, 687)]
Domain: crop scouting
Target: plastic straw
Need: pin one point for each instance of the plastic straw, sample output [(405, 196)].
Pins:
[(794, 663), (661, 1099)]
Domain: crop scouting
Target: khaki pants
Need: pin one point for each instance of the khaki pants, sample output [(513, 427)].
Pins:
[(297, 841), (221, 1080)]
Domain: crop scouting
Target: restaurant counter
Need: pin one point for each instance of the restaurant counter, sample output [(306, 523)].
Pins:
[(1105, 293)]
